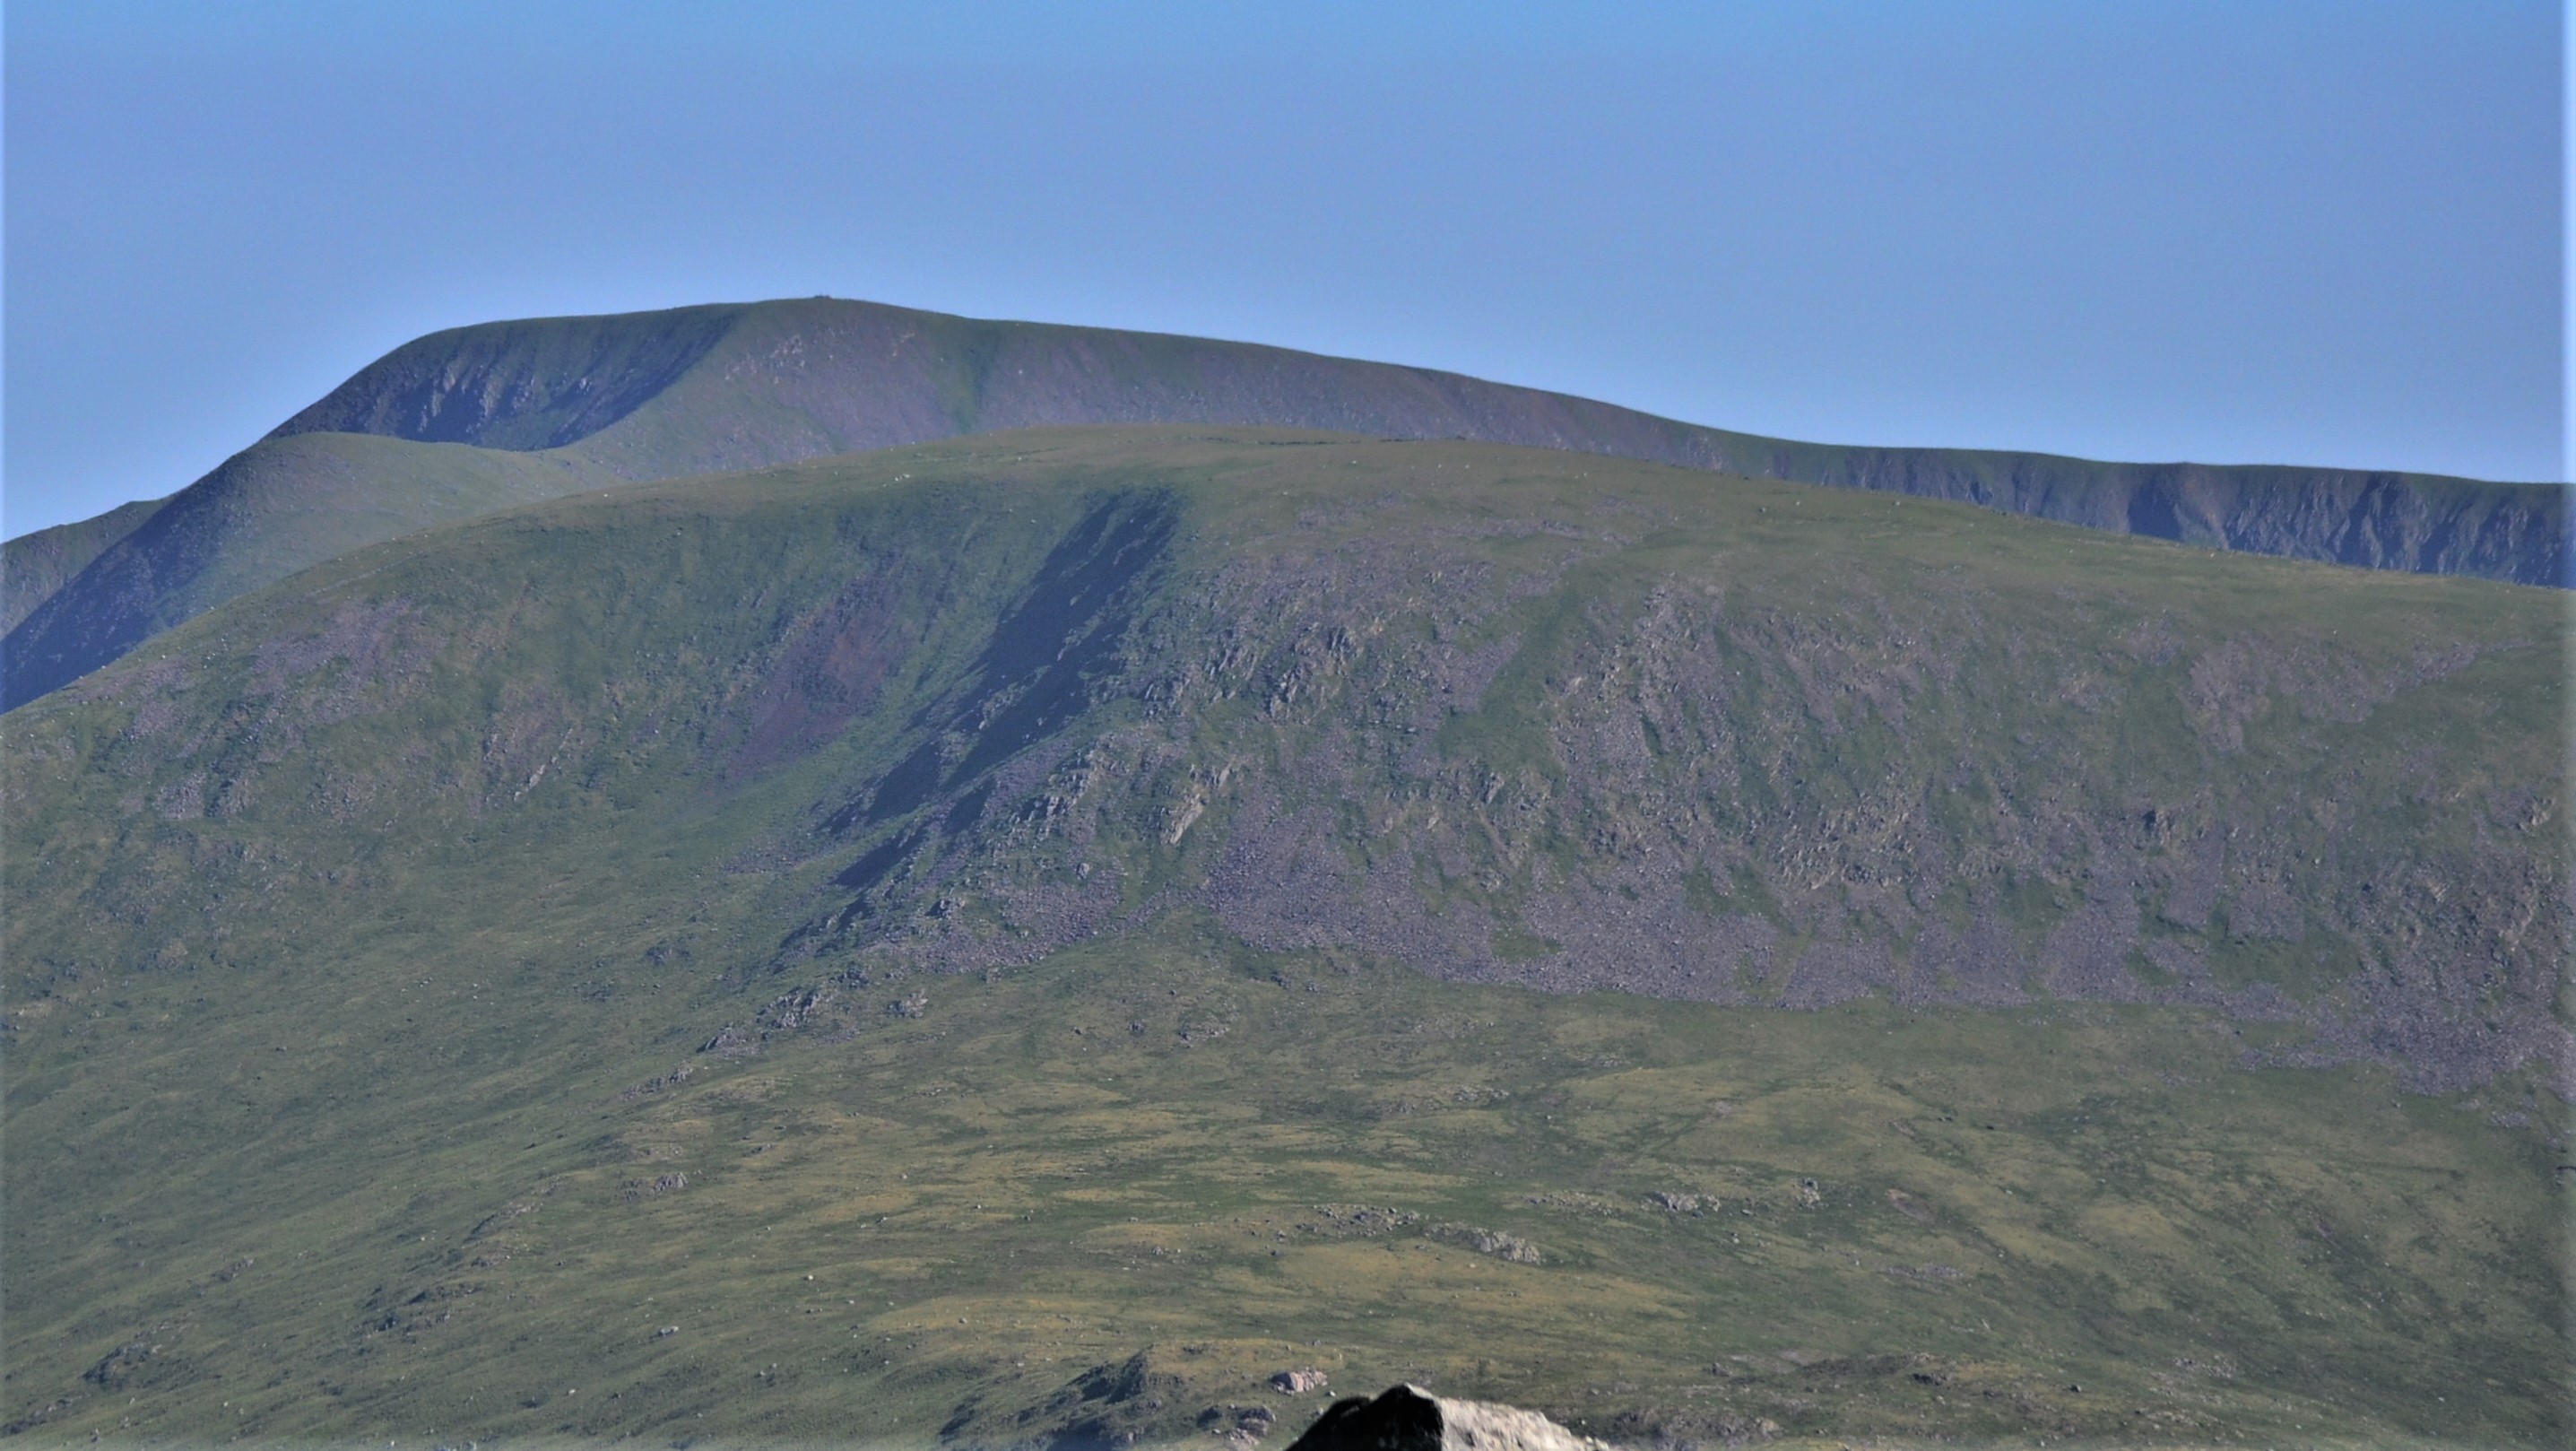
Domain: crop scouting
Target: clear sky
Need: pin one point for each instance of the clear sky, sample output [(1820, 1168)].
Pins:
[(2309, 231)]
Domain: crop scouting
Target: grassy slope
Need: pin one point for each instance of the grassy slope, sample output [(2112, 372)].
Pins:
[(436, 1215), (348, 941), (275, 508), (34, 565)]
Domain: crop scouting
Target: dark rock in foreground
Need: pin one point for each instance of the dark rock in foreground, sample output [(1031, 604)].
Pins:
[(1409, 1418)]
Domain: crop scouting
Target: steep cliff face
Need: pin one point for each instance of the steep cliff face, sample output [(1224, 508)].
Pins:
[(698, 390), (2412, 522), (519, 385)]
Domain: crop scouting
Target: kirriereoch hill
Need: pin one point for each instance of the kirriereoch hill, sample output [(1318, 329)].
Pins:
[(464, 422), (1020, 940)]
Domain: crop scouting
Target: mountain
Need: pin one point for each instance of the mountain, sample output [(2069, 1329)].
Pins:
[(42, 562), (1023, 939), (657, 395), (270, 510), (704, 389)]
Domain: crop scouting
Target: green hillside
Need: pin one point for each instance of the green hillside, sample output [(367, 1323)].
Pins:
[(275, 508), (693, 390), (33, 566), (1029, 936)]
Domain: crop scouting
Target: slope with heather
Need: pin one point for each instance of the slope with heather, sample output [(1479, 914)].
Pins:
[(1027, 936)]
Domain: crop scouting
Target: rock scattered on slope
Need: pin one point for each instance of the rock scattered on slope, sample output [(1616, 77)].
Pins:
[(1490, 1242)]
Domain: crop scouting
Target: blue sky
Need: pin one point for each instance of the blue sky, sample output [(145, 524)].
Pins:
[(2253, 231)]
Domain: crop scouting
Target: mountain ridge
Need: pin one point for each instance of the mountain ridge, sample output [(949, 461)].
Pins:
[(40, 563), (972, 375), (270, 510), (724, 387)]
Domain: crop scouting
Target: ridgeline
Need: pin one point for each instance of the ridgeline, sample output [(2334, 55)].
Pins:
[(560, 405)]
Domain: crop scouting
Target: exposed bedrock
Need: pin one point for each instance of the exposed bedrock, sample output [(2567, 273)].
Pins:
[(1574, 775)]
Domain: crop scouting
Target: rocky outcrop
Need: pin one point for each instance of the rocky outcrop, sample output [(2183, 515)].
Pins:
[(1701, 787), (1498, 715), (1409, 1418)]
